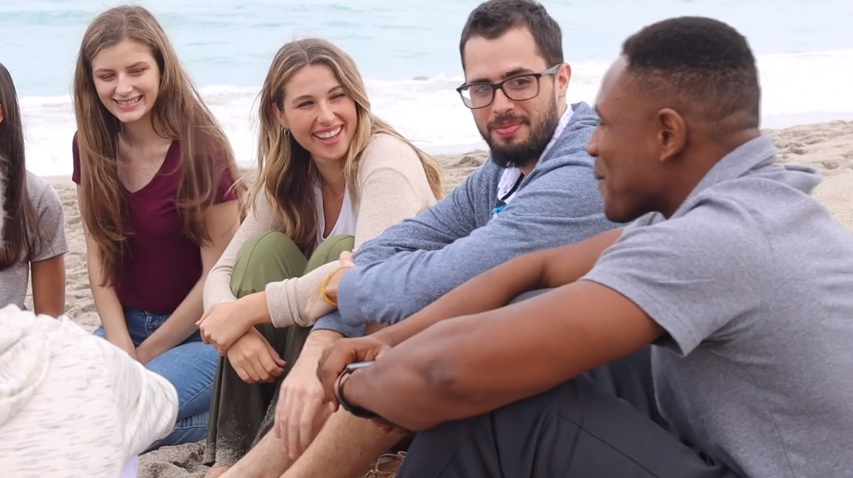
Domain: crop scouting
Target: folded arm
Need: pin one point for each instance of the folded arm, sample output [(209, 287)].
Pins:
[(431, 230), (554, 210), (474, 364), (547, 269), (675, 283)]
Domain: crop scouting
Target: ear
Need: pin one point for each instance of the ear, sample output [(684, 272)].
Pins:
[(279, 114), (1, 114), (672, 134), (562, 79)]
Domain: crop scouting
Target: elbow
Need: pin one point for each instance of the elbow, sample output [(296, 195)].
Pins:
[(440, 380), (442, 376)]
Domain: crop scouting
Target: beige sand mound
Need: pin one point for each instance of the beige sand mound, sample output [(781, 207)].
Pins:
[(174, 461), (828, 147)]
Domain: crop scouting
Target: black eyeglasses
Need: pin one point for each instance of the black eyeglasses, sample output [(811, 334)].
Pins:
[(517, 88)]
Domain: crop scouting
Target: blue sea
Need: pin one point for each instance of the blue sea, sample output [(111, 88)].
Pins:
[(408, 53)]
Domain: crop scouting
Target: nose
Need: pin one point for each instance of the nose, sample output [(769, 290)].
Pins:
[(124, 85), (592, 146), (501, 104), (326, 116)]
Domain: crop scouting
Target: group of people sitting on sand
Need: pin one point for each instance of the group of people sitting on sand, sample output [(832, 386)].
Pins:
[(638, 289)]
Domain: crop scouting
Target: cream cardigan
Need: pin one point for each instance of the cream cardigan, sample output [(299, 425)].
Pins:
[(392, 186)]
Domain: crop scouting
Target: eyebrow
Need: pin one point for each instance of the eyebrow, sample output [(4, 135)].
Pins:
[(511, 73), (135, 65), (310, 97)]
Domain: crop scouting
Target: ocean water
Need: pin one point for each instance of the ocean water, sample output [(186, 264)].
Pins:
[(408, 53)]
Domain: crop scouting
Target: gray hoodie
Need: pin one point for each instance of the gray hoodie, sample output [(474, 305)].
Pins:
[(420, 259)]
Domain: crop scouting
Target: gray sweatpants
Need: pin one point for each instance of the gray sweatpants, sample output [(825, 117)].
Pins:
[(604, 424)]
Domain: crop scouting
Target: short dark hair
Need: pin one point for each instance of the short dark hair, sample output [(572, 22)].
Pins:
[(493, 18), (705, 61)]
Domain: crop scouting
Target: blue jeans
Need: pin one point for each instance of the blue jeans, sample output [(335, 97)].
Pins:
[(190, 367)]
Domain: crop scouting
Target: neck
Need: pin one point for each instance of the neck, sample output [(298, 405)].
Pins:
[(703, 157), (140, 133), (332, 175)]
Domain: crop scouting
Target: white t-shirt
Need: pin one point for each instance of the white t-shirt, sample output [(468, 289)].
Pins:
[(71, 403), (345, 225)]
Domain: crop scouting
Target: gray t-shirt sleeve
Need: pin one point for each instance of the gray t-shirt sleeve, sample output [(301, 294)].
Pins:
[(694, 275), (51, 223)]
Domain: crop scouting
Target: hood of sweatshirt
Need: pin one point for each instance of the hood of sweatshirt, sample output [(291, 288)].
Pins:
[(24, 358)]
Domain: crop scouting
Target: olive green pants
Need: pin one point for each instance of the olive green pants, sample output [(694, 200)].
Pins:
[(241, 413)]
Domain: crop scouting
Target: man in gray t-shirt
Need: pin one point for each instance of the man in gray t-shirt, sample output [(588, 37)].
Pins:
[(739, 278)]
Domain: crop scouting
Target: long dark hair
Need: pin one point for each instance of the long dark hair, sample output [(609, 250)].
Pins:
[(18, 242)]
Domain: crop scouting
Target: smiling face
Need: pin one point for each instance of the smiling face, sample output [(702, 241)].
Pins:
[(318, 112), (127, 79), (516, 131), (630, 148)]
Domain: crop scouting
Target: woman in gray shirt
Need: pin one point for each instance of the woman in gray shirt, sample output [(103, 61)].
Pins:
[(34, 236)]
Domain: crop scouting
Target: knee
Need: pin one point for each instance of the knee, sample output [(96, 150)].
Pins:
[(330, 250), (262, 246)]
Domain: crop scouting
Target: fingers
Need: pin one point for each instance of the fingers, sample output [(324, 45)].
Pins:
[(249, 370), (280, 425), (382, 351), (314, 415), (241, 373), (269, 365), (292, 435), (204, 316), (346, 259), (332, 364)]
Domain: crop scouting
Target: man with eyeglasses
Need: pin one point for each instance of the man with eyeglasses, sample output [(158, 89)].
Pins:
[(537, 191)]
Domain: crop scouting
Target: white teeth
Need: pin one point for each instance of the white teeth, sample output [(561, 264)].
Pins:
[(129, 102), (329, 134)]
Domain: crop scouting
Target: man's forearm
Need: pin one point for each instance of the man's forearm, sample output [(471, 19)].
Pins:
[(488, 291), (546, 269)]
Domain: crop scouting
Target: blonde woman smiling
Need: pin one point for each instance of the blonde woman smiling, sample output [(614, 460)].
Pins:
[(332, 176)]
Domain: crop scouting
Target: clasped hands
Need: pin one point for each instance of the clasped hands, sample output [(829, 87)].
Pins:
[(335, 359), (232, 323)]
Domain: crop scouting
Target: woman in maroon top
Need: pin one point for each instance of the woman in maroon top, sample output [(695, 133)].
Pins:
[(155, 174)]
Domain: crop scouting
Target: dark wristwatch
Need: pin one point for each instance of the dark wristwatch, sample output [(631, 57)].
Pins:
[(355, 411)]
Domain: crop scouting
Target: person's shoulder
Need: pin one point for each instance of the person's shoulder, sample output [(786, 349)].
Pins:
[(569, 150), (41, 192), (712, 220), (385, 151)]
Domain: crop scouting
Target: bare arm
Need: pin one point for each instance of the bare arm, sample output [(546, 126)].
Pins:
[(106, 300), (48, 278), (471, 365), (222, 221), (546, 269)]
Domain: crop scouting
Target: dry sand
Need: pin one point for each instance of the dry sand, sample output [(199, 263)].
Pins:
[(826, 146)]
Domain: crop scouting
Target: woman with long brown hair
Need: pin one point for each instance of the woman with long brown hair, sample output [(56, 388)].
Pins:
[(156, 175), (33, 242), (332, 175)]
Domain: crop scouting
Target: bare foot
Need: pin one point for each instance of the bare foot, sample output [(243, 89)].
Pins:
[(216, 471)]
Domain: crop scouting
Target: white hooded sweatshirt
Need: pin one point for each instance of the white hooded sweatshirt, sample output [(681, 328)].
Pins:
[(71, 403)]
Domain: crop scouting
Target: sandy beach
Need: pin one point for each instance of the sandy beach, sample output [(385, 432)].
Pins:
[(825, 146)]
